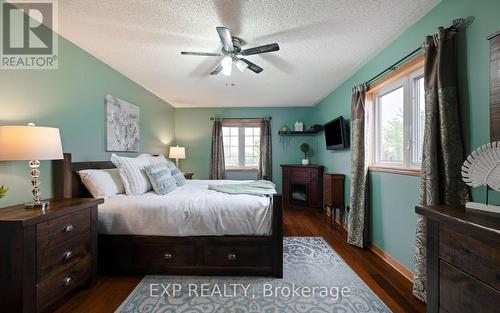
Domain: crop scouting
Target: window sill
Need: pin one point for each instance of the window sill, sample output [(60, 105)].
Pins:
[(241, 169), (395, 170)]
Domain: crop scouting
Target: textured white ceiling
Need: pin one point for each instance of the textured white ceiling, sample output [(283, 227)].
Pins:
[(322, 42)]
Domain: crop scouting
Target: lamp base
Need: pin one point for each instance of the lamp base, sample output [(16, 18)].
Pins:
[(33, 205)]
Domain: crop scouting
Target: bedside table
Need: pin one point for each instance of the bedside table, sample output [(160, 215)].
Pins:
[(46, 254), (188, 175)]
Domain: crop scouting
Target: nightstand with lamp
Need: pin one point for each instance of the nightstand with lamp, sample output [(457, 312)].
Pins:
[(179, 153), (48, 249)]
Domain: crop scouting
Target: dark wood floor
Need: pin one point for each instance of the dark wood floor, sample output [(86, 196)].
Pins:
[(386, 282)]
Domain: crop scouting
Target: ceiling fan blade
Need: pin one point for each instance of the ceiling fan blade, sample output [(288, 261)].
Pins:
[(262, 49), (252, 66), (216, 70), (203, 54), (225, 38)]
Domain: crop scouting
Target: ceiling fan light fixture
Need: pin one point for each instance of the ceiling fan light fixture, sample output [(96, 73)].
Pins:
[(227, 64), (241, 65)]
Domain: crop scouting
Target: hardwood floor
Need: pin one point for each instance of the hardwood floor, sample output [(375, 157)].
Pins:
[(386, 282)]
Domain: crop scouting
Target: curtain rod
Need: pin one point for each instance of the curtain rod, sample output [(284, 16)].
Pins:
[(241, 118), (458, 24)]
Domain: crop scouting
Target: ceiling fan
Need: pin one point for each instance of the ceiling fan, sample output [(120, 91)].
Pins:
[(233, 54)]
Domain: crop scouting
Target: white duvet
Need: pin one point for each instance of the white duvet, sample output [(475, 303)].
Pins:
[(190, 210)]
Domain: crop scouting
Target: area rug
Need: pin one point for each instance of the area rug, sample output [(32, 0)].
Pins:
[(315, 279)]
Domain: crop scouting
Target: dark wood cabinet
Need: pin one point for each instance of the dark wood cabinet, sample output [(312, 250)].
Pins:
[(303, 185), (333, 196), (495, 86), (463, 259), (44, 255)]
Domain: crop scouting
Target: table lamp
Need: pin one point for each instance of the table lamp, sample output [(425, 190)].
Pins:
[(31, 143), (177, 153)]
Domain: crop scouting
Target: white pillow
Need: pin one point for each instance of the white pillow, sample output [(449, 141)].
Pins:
[(132, 173), (161, 159), (102, 183)]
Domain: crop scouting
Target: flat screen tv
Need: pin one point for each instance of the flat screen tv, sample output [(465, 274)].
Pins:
[(336, 134)]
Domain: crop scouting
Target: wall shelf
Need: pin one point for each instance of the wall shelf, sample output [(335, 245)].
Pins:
[(308, 132)]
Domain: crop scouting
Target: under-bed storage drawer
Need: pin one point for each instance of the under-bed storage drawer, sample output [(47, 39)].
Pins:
[(237, 255), (159, 256)]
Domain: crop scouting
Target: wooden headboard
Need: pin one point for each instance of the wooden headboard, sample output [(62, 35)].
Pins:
[(67, 182)]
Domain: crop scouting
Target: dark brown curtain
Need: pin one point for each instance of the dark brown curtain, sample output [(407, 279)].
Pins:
[(265, 162), (442, 155), (217, 165), (358, 214)]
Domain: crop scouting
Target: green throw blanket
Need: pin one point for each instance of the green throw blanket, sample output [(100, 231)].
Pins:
[(259, 188)]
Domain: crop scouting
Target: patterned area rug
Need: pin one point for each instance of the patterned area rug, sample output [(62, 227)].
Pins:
[(315, 280)]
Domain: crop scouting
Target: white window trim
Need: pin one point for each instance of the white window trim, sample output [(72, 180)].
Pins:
[(409, 134)]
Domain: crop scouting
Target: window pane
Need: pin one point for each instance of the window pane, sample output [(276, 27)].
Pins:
[(225, 131), (391, 131), (419, 120)]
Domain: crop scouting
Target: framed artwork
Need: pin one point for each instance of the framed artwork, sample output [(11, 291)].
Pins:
[(122, 125)]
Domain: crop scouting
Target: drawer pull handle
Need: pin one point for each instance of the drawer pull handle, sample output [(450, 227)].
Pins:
[(67, 281), (168, 256), (67, 255), (68, 228), (232, 256)]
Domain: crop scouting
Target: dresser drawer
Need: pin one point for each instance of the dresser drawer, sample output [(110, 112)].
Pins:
[(237, 255), (479, 258), (62, 256), (460, 292), (56, 286), (59, 230)]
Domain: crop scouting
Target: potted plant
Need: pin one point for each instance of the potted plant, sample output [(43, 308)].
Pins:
[(305, 148), (3, 191)]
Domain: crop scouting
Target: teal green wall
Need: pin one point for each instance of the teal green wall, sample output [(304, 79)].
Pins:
[(193, 129), (393, 197), (72, 98)]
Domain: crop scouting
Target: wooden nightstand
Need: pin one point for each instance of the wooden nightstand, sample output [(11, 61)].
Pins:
[(46, 254), (188, 175), (333, 197)]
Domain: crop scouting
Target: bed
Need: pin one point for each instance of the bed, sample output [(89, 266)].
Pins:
[(192, 231)]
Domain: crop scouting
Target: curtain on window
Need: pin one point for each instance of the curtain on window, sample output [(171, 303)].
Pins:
[(217, 166), (265, 162), (442, 151), (358, 214)]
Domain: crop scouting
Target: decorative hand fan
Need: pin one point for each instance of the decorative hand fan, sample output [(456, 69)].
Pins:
[(482, 168)]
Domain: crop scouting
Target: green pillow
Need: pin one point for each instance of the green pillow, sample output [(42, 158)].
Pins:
[(179, 179), (161, 179)]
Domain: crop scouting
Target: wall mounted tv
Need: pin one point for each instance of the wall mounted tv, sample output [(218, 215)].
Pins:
[(336, 134)]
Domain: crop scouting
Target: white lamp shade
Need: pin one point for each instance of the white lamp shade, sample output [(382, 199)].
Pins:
[(30, 143), (177, 153)]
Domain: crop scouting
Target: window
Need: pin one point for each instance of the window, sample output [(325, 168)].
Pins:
[(396, 121), (241, 146)]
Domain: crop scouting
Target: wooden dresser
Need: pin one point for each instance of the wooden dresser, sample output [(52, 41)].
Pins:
[(303, 185), (333, 196), (463, 259), (46, 254)]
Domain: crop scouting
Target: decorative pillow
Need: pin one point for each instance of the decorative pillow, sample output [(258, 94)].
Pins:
[(132, 173), (162, 181), (102, 183), (179, 178), (175, 171), (161, 159)]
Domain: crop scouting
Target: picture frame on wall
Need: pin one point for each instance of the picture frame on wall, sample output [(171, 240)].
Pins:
[(122, 125)]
